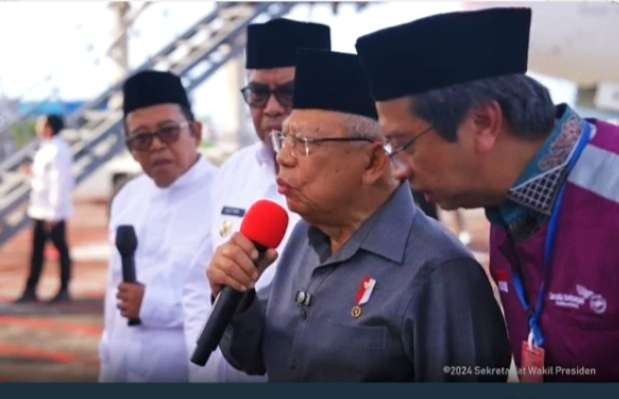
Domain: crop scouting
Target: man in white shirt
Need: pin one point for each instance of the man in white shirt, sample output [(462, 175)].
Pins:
[(250, 174), (167, 206), (50, 205)]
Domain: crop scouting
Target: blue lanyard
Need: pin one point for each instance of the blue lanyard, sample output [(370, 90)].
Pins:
[(551, 235)]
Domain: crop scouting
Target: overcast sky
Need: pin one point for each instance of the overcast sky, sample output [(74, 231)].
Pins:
[(59, 48)]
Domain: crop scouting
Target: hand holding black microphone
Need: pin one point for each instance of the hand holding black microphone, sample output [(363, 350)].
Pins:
[(127, 243), (236, 266)]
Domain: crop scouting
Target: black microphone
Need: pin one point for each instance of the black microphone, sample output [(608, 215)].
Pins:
[(126, 243), (224, 308), (265, 225)]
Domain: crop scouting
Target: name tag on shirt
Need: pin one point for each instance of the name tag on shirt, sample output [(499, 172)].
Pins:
[(230, 211)]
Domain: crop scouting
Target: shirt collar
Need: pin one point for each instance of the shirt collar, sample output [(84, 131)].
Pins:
[(384, 233), (265, 155), (534, 193)]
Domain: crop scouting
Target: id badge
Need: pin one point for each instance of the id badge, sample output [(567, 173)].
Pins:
[(532, 363)]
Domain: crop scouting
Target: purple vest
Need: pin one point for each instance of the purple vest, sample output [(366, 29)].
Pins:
[(580, 320)]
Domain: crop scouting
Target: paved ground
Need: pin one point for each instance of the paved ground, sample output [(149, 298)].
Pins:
[(44, 342), (58, 343)]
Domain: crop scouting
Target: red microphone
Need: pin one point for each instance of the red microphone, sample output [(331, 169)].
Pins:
[(265, 225)]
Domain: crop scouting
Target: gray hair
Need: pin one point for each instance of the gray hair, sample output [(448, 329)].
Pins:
[(525, 103), (361, 126)]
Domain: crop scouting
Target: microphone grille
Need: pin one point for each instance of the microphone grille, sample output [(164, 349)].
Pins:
[(126, 240), (265, 223)]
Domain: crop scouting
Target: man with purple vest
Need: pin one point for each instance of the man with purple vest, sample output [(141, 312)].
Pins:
[(548, 179)]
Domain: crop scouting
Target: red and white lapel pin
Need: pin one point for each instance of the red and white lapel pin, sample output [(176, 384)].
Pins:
[(364, 292)]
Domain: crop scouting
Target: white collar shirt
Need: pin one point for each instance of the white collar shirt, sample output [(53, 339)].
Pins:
[(170, 224), (52, 181)]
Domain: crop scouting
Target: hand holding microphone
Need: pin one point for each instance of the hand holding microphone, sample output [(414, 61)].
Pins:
[(130, 293), (236, 266), (130, 297)]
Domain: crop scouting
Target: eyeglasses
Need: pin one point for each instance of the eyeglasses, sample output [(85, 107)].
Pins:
[(300, 146), (167, 134), (257, 96), (394, 150)]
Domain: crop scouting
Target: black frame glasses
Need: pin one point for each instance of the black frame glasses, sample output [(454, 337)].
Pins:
[(257, 96), (393, 151), (278, 140), (167, 134)]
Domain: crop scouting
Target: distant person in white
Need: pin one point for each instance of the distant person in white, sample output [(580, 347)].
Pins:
[(250, 174), (167, 208), (50, 205)]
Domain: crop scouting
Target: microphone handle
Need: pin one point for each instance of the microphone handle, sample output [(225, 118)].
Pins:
[(223, 311), (128, 269)]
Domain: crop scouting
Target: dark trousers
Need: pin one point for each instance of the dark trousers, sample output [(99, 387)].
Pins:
[(39, 237)]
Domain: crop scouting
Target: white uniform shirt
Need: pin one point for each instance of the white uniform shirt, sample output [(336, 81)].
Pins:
[(52, 181), (246, 177), (170, 225)]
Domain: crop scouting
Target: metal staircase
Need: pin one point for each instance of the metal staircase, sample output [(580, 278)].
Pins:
[(95, 130)]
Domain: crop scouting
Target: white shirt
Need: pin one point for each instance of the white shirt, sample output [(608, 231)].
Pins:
[(246, 177), (170, 225), (52, 181)]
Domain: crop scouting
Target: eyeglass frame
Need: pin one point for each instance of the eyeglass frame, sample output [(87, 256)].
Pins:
[(395, 151), (131, 137), (306, 141), (246, 91)]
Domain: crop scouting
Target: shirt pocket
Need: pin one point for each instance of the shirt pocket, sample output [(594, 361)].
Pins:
[(358, 338), (340, 352)]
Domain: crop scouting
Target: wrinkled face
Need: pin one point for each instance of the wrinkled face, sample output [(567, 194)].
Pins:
[(173, 151), (443, 171), (320, 179), (271, 116)]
